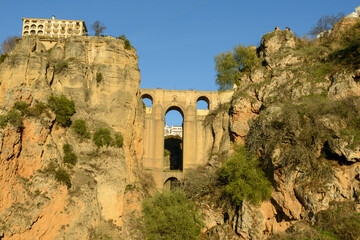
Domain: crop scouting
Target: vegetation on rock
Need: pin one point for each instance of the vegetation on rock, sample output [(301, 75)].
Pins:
[(63, 108), (80, 128), (62, 176), (170, 215), (102, 137), (243, 178), (232, 64), (69, 156)]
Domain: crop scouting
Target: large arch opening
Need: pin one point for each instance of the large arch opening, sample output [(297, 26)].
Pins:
[(173, 139), (171, 183), (203, 103), (147, 100)]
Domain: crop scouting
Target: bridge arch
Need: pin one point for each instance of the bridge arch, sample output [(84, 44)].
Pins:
[(147, 99), (203, 99), (171, 183)]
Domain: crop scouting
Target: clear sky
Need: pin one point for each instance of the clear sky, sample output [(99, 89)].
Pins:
[(177, 40)]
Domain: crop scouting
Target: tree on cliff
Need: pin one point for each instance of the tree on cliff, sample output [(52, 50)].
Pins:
[(98, 27), (325, 23), (232, 64), (8, 44)]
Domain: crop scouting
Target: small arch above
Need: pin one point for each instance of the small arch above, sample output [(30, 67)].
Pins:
[(171, 184), (147, 99), (203, 103)]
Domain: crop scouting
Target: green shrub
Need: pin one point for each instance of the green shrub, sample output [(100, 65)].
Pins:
[(38, 109), (2, 58), (127, 44), (122, 37), (21, 106), (170, 215), (63, 108), (244, 179), (99, 77), (62, 176), (79, 127), (69, 156), (60, 66), (102, 137), (119, 139), (67, 148), (14, 118), (3, 121)]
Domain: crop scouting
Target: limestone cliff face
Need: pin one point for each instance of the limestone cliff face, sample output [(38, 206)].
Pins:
[(103, 80), (258, 116)]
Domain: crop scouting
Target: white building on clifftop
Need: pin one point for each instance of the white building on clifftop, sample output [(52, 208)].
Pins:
[(53, 28)]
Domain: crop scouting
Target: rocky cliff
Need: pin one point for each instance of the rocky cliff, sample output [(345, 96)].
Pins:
[(297, 111), (102, 78)]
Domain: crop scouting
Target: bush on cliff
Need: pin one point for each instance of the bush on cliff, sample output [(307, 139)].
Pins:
[(243, 178), (63, 108), (69, 156), (102, 137), (170, 215), (80, 128), (62, 176)]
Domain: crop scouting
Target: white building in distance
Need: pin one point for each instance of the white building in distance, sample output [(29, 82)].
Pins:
[(354, 14), (173, 131), (53, 28)]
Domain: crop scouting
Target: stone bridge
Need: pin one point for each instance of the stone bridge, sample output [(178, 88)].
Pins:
[(197, 137)]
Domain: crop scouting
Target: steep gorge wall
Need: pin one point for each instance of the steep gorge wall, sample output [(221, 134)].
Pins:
[(306, 188), (32, 204)]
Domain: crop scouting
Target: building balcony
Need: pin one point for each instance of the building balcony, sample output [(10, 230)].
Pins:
[(40, 27), (56, 30), (63, 25), (62, 30), (33, 32), (26, 33), (40, 32), (56, 24), (26, 28), (77, 31), (77, 26), (48, 29)]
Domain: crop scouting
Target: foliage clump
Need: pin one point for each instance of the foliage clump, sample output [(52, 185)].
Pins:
[(127, 44), (118, 141), (14, 118), (99, 77), (61, 66), (21, 106), (69, 155), (230, 66), (62, 176), (243, 178), (170, 215), (63, 108), (80, 128), (102, 137), (2, 58)]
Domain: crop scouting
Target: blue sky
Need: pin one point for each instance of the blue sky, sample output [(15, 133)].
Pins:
[(177, 40)]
